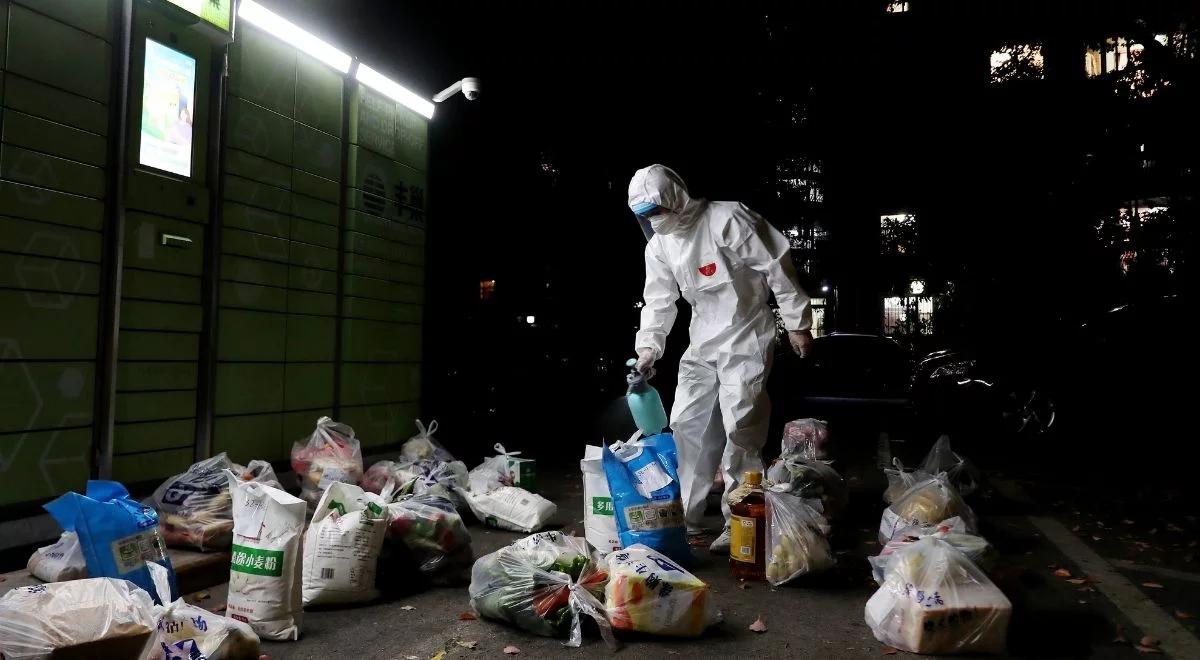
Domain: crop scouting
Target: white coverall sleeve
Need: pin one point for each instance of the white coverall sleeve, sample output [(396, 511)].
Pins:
[(767, 251), (658, 314)]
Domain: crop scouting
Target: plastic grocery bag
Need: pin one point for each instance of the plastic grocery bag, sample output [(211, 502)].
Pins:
[(643, 479), (511, 508), (118, 536), (951, 530), (194, 507), (808, 437), (430, 527), (806, 477), (599, 523), (542, 584), (186, 632), (900, 480), (442, 479), (928, 502), (36, 620), (647, 592), (395, 475), (265, 562), (63, 560), (934, 600), (796, 538), (423, 446), (941, 458), (331, 454), (342, 545)]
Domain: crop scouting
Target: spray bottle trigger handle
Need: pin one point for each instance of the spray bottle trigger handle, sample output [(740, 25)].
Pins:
[(631, 362)]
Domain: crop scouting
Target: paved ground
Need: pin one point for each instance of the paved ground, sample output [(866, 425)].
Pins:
[(1053, 617)]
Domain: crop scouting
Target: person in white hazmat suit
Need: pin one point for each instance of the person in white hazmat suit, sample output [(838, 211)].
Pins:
[(726, 260)]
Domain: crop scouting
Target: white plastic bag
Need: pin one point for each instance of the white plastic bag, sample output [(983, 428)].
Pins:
[(542, 584), (441, 479), (599, 521), (648, 592), (63, 560), (393, 475), (934, 600), (185, 632), (951, 530), (803, 476), (423, 446), (511, 508), (331, 454), (927, 503), (36, 620), (341, 547), (194, 507), (796, 538), (265, 561)]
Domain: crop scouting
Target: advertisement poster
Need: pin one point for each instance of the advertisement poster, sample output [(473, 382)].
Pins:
[(168, 95), (216, 12)]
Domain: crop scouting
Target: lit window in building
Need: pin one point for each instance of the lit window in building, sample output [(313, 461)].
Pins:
[(798, 178), (487, 288), (898, 233), (1011, 62), (897, 7), (908, 315)]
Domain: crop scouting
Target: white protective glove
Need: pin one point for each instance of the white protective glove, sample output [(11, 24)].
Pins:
[(801, 341), (645, 361)]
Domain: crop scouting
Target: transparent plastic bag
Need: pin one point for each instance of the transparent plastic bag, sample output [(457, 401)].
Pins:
[(36, 620), (928, 502), (448, 480), (900, 480), (186, 631), (811, 479), (396, 475), (647, 592), (330, 454), (808, 437), (935, 600), (423, 446), (796, 538), (962, 472), (542, 584), (951, 530), (195, 507), (63, 560), (430, 527)]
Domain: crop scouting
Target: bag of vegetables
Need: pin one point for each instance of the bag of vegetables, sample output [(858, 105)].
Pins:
[(195, 509), (430, 527), (331, 454), (796, 543), (542, 583), (423, 446), (927, 503), (800, 475), (384, 474)]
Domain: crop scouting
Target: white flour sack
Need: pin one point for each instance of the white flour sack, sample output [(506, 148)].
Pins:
[(342, 545), (264, 572), (599, 523)]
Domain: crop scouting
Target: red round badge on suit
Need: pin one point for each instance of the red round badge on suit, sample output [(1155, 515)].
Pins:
[(708, 270)]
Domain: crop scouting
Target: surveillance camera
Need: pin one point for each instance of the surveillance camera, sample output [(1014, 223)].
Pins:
[(470, 88)]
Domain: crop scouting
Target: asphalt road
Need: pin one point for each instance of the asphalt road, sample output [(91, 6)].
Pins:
[(1053, 617)]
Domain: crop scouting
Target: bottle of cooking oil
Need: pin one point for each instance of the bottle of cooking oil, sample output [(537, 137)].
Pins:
[(748, 529)]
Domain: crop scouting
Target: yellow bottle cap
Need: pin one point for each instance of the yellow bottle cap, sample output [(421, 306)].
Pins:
[(752, 478)]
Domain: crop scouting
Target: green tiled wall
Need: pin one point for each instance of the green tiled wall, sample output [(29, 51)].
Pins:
[(54, 105), (278, 296)]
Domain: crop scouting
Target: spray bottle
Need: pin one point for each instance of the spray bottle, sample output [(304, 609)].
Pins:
[(644, 402)]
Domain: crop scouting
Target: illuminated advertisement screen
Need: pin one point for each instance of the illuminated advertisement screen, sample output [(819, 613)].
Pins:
[(168, 105), (217, 12)]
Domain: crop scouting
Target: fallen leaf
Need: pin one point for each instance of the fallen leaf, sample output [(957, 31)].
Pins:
[(467, 645), (1152, 585), (890, 650), (743, 586), (1127, 521), (1097, 538), (1147, 649), (1182, 615), (1081, 580), (1153, 531), (203, 595), (1083, 602), (511, 650), (1062, 573), (1152, 642), (759, 626), (1119, 638), (1075, 528), (672, 652), (407, 608), (264, 657), (467, 616), (440, 655), (411, 657), (1172, 527)]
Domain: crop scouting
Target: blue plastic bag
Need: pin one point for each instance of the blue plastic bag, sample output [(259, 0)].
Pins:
[(643, 479), (118, 535)]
